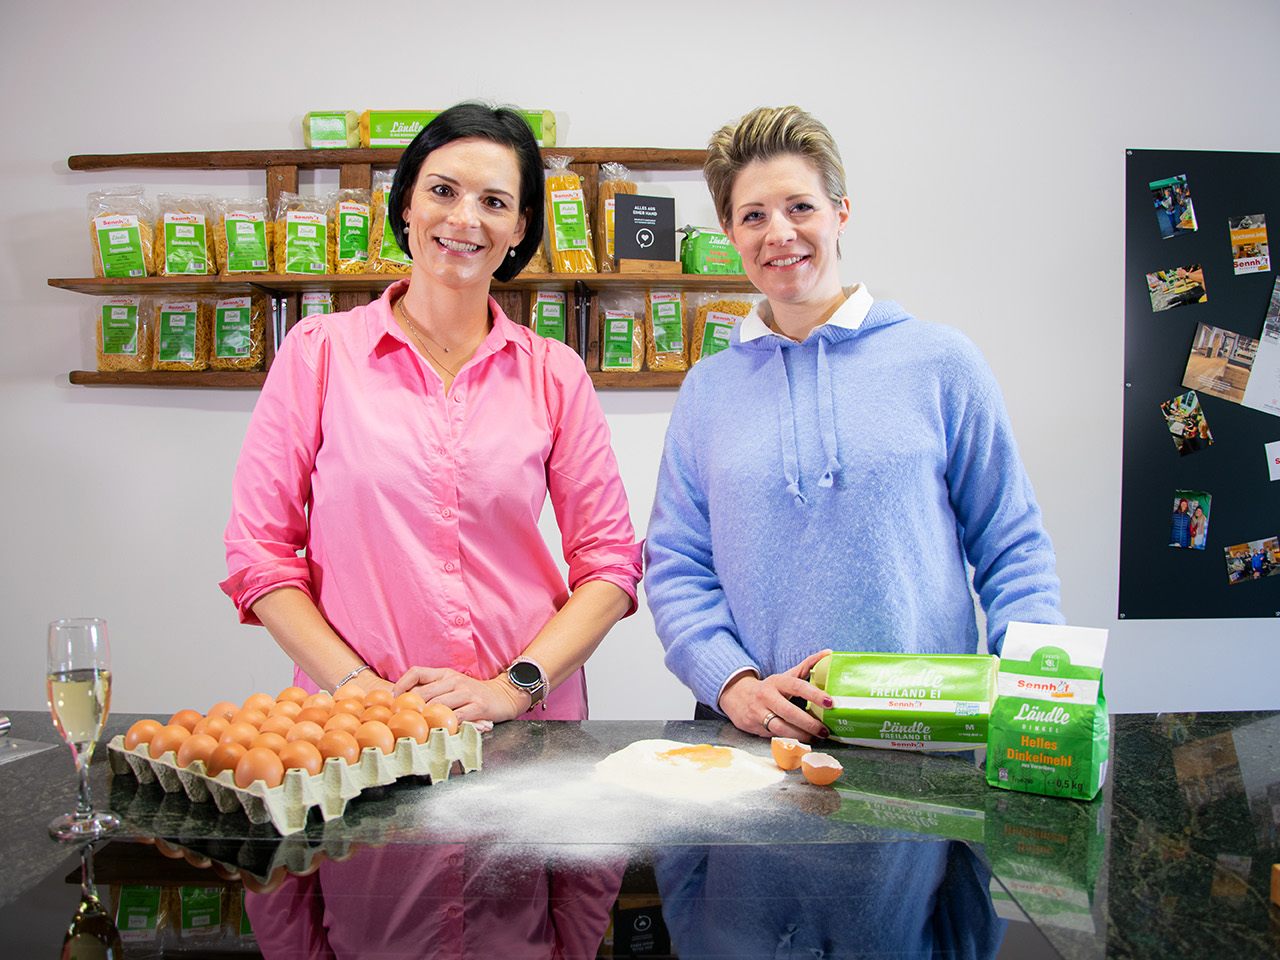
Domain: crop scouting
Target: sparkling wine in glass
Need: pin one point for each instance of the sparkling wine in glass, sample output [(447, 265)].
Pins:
[(79, 691)]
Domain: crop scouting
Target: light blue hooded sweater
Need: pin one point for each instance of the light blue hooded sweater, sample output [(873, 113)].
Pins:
[(829, 493)]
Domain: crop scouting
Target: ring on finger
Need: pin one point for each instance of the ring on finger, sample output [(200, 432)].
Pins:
[(768, 719)]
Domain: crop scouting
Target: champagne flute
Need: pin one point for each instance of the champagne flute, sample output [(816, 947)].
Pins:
[(92, 932), (79, 690)]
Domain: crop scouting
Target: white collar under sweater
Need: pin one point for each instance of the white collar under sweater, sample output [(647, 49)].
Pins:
[(850, 314)]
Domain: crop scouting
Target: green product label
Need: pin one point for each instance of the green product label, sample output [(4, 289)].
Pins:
[(619, 336), (548, 316), (715, 335), (569, 220), (233, 328), (246, 243), (538, 123), (316, 303), (397, 128), (353, 231), (906, 813), (390, 249), (201, 909), (138, 913), (120, 246), (306, 242), (708, 252), (177, 333), (185, 249), (1056, 749), (328, 129), (668, 323), (120, 329)]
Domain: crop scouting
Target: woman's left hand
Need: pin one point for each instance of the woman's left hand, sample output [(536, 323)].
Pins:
[(469, 698)]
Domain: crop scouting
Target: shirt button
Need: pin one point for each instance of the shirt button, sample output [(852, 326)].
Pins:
[(457, 398), (440, 450), (454, 912), (459, 621), (448, 567), (446, 513)]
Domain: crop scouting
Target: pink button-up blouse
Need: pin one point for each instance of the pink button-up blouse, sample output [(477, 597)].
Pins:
[(410, 516)]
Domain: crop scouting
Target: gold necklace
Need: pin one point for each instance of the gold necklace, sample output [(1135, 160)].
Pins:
[(413, 332)]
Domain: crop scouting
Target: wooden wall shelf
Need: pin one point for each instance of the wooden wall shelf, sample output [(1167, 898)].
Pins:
[(253, 380)]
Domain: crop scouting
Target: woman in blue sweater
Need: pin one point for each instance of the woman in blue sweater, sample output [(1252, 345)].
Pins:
[(828, 477)]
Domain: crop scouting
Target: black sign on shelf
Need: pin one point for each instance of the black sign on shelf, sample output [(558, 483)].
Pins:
[(644, 227)]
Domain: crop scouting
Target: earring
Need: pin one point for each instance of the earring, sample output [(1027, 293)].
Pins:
[(406, 228), (511, 252)]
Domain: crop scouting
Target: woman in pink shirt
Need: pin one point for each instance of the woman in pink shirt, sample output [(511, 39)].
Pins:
[(384, 522)]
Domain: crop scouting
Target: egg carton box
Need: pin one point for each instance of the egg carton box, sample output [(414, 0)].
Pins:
[(286, 807)]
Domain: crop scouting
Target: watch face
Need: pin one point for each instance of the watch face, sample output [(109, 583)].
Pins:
[(525, 674)]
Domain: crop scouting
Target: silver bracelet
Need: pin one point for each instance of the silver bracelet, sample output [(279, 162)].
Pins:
[(363, 666)]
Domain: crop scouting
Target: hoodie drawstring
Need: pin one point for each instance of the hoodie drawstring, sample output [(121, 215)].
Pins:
[(787, 429), (826, 417)]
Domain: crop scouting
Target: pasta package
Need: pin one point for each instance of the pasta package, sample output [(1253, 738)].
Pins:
[(184, 244), (350, 218), (385, 255), (120, 232), (180, 335), (568, 228), (239, 333), (304, 237), (621, 332), (704, 251), (392, 128), (548, 314), (317, 301), (331, 129), (124, 333), (243, 237), (538, 262), (664, 341), (715, 316), (614, 179)]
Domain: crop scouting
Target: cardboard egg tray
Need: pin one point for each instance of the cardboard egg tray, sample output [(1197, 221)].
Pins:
[(286, 807)]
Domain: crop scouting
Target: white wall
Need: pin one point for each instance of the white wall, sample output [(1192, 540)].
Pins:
[(984, 145)]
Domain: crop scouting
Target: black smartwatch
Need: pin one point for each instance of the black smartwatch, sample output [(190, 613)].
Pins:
[(527, 675)]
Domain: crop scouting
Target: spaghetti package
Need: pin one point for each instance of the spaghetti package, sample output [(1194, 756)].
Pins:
[(569, 240), (664, 340), (124, 333), (181, 334), (350, 217), (120, 230), (548, 314), (304, 240), (330, 129), (385, 255), (614, 179), (621, 331), (238, 339), (184, 244), (715, 316), (243, 237)]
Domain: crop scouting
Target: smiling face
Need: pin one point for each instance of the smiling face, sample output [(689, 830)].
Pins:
[(785, 227), (463, 215)]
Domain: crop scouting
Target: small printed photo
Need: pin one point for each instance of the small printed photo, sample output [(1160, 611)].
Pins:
[(1253, 560), (1171, 198), (1187, 425), (1174, 286), (1249, 252), (1271, 325), (1190, 525), (1220, 363)]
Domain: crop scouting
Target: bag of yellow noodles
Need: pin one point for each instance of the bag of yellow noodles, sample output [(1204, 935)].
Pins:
[(180, 334), (120, 231), (304, 239), (568, 227), (714, 317), (350, 216), (621, 331), (664, 339), (239, 333), (124, 333), (614, 179), (243, 236), (385, 255), (184, 236)]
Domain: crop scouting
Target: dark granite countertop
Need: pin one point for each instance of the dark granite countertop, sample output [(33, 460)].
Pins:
[(1173, 859)]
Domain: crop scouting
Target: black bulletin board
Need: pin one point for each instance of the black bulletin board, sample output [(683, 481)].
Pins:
[(1157, 580)]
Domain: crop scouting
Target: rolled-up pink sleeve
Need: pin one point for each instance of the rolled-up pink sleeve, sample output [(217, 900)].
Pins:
[(582, 477), (272, 484)]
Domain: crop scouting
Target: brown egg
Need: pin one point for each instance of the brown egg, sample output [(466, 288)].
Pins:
[(225, 757), (438, 715), (351, 706), (272, 741), (257, 764), (260, 702), (381, 697), (320, 699), (224, 709), (198, 746), (305, 730), (240, 732), (409, 723), (788, 752), (285, 708), (348, 692), (141, 732), (301, 755), (820, 768), (292, 695), (380, 712), (169, 738), (409, 701), (280, 725), (343, 721), (314, 714), (186, 718), (256, 718), (213, 726), (335, 743), (377, 734)]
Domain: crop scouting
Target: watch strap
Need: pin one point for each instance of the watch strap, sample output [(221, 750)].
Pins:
[(538, 690)]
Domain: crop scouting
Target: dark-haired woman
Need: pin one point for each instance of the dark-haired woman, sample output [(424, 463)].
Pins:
[(384, 523)]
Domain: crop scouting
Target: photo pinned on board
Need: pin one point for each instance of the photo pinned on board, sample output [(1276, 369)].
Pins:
[(1220, 363), (1271, 324), (1174, 286), (1190, 524), (1253, 560), (1171, 198), (1187, 425), (1249, 250)]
